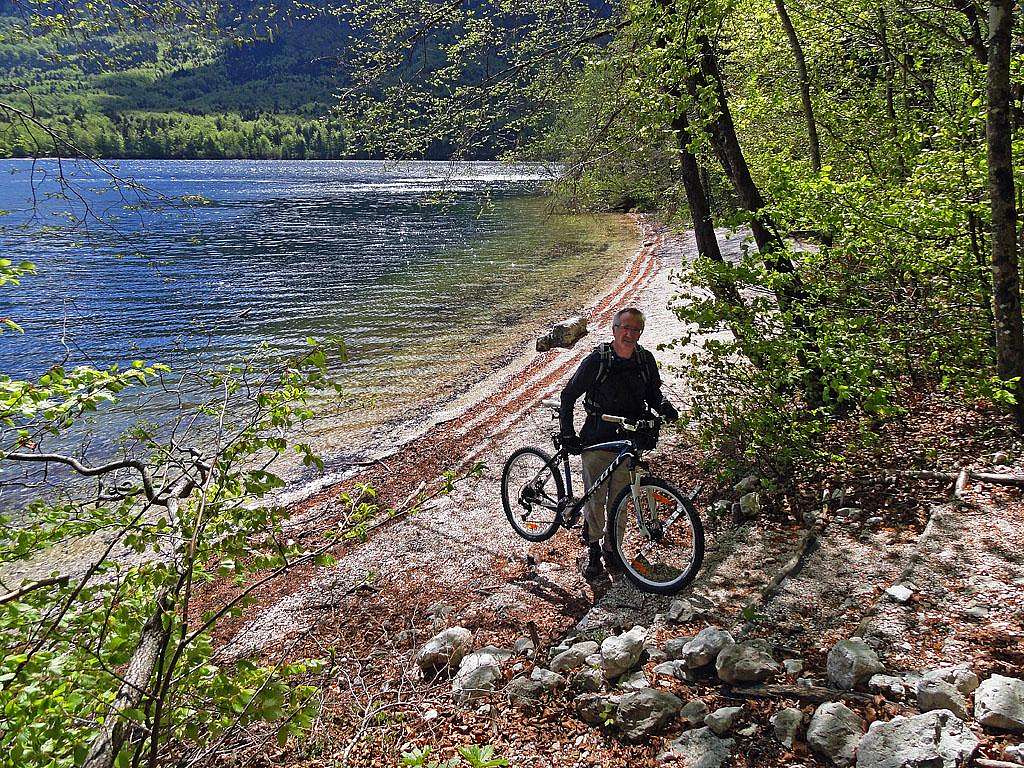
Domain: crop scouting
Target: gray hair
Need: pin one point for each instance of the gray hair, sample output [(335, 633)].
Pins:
[(629, 311)]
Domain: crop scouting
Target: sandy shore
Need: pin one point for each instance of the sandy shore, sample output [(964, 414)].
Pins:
[(462, 540)]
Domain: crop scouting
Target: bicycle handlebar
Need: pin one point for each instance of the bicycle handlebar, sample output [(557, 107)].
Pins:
[(632, 426)]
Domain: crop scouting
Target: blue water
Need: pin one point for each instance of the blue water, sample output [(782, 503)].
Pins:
[(422, 268)]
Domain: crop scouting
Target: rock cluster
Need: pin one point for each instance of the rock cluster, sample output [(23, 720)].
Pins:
[(609, 689)]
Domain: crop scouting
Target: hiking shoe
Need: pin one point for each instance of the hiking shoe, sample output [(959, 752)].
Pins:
[(593, 568), (612, 561)]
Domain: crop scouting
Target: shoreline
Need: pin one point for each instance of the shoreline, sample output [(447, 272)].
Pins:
[(506, 362)]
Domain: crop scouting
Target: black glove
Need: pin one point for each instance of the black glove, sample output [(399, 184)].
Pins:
[(571, 443), (668, 411)]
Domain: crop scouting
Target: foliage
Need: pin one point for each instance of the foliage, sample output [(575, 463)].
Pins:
[(891, 285), (474, 756), (187, 504)]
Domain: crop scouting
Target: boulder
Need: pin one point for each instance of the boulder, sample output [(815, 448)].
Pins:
[(750, 504), (747, 484), (479, 672), (674, 648), (620, 653), (693, 712), (524, 688), (887, 685), (960, 676), (642, 712), (573, 657), (676, 669), (936, 739), (445, 650), (786, 724), (588, 680), (722, 719), (834, 732), (793, 666), (938, 694), (634, 681), (705, 647), (999, 703), (852, 662), (900, 593), (565, 334), (552, 681), (681, 611), (745, 663), (698, 748)]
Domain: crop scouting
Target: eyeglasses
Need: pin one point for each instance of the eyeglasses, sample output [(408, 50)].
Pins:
[(631, 328)]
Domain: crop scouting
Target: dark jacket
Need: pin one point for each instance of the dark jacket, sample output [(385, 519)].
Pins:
[(623, 392)]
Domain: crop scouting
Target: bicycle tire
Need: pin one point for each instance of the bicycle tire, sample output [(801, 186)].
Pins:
[(526, 488), (666, 563)]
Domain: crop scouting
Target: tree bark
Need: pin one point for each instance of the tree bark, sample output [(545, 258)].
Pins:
[(1005, 275), (814, 145)]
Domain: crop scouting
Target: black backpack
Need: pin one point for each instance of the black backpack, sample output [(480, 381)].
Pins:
[(604, 351)]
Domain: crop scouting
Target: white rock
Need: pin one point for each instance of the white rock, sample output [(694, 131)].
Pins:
[(747, 731), (793, 666), (588, 680), (722, 719), (634, 681), (681, 611), (479, 672), (619, 653), (887, 684), (1014, 752), (573, 657), (705, 647), (674, 648), (999, 703), (675, 669), (851, 662), (698, 748), (445, 649), (834, 732), (936, 739), (900, 593), (960, 676), (785, 725), (977, 612), (745, 663), (938, 694)]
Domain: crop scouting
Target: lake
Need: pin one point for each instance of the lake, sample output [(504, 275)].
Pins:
[(428, 271)]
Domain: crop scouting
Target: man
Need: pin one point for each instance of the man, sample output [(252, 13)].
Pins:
[(617, 379)]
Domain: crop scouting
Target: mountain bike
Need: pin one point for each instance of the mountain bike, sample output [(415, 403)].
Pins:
[(658, 534)]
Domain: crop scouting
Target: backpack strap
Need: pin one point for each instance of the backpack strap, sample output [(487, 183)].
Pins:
[(604, 352)]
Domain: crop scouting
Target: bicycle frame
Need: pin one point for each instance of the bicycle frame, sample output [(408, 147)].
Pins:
[(625, 450)]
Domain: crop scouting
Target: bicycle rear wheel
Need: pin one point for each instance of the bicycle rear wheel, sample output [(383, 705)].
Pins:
[(531, 487), (661, 543)]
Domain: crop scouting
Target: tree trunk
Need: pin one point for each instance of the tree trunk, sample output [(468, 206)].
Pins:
[(1005, 277), (805, 85)]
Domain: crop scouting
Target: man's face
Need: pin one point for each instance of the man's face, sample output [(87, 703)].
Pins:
[(626, 333)]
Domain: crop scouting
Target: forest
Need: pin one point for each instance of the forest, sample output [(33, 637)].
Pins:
[(865, 340)]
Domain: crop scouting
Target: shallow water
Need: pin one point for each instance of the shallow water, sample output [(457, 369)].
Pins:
[(425, 270)]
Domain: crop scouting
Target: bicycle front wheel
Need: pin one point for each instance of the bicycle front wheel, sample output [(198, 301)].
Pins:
[(658, 535), (531, 488)]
